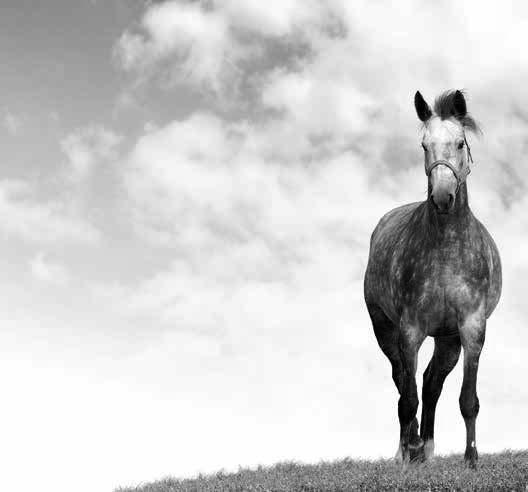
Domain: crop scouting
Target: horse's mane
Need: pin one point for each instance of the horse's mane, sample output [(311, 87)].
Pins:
[(444, 107)]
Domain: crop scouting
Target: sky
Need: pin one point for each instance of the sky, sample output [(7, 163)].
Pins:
[(187, 193)]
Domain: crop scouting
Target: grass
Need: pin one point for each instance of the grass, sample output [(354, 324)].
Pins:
[(502, 471)]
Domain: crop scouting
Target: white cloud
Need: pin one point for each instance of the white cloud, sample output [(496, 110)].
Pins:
[(277, 18), (27, 217), (89, 147), (320, 105), (201, 179), (12, 123), (48, 271), (197, 39), (206, 44)]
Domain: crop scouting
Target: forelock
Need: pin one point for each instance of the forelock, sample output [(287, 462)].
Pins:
[(444, 108)]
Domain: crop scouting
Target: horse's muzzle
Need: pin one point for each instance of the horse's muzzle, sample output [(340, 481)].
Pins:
[(443, 201)]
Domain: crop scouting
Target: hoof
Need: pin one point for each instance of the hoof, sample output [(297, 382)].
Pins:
[(413, 454), (471, 457), (417, 452), (429, 449)]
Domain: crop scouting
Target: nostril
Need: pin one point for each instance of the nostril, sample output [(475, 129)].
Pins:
[(451, 199), (433, 200)]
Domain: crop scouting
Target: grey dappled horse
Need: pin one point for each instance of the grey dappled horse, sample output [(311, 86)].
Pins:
[(434, 270)]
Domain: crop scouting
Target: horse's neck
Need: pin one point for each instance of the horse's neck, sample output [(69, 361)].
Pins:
[(456, 221)]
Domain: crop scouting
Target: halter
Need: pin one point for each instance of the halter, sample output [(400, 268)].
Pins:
[(459, 175)]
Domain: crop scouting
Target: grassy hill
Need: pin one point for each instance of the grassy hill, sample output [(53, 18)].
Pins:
[(501, 471)]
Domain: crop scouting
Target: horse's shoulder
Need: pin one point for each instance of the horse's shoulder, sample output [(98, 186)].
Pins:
[(394, 218), (401, 211)]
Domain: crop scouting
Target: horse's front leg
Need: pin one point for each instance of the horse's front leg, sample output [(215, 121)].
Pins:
[(472, 334), (445, 357), (410, 341)]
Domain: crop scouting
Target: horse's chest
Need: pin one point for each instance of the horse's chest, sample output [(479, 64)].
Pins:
[(441, 284)]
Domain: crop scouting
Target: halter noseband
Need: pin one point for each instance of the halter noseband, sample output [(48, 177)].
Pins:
[(459, 175)]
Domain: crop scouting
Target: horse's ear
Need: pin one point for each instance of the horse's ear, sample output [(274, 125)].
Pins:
[(422, 108), (459, 105)]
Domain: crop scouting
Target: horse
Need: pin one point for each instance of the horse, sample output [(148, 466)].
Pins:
[(434, 271)]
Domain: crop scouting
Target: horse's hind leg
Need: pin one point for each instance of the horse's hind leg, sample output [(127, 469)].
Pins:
[(445, 357), (387, 334)]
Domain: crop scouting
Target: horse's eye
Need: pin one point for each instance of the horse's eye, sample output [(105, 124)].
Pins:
[(424, 147), (460, 145)]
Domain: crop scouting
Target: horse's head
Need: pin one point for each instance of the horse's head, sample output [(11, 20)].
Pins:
[(445, 146)]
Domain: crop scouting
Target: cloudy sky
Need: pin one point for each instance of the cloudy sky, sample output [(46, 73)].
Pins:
[(187, 191)]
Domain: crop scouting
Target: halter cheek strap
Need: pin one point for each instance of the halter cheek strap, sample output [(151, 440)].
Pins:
[(459, 175)]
